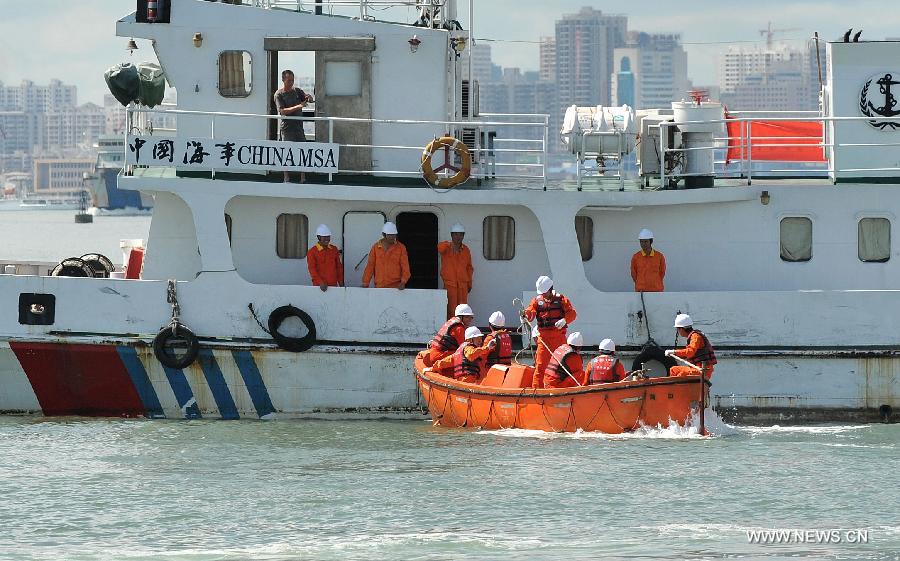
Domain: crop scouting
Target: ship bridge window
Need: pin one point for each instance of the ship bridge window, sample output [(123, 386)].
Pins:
[(584, 230), (234, 74), (796, 238), (874, 240), (291, 235), (499, 238)]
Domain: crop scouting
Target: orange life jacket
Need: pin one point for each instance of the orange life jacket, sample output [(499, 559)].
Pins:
[(706, 354), (602, 369), (550, 311), (502, 351), (444, 340), (555, 367), (463, 366)]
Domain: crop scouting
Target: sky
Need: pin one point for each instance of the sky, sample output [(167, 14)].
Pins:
[(75, 41)]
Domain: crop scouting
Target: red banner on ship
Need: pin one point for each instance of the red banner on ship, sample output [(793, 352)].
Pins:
[(776, 141)]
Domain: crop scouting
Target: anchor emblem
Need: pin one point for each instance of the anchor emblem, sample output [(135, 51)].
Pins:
[(869, 109)]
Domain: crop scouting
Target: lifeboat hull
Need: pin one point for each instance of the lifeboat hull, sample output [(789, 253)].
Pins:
[(505, 400)]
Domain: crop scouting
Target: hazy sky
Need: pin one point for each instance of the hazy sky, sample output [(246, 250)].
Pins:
[(76, 42)]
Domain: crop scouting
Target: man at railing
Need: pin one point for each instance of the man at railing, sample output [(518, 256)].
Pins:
[(290, 101)]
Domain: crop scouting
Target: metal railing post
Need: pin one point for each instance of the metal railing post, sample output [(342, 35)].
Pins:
[(546, 150), (212, 131), (663, 134), (330, 140), (749, 152)]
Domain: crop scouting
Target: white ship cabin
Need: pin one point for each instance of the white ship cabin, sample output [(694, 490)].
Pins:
[(739, 203)]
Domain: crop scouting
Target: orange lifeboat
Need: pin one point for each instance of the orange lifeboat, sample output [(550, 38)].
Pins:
[(504, 399)]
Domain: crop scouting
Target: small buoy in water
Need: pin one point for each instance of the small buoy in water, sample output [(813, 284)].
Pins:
[(886, 411), (83, 218)]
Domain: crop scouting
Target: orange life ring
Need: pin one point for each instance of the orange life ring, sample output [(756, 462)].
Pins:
[(462, 172)]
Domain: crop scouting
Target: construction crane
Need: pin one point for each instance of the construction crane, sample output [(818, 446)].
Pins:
[(770, 33)]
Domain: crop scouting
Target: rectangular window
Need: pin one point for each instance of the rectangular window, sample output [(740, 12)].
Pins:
[(796, 238), (499, 238), (584, 230), (874, 240), (343, 78), (291, 236), (234, 74)]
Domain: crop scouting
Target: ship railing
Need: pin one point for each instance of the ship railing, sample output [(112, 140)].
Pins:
[(739, 162), (521, 154), (330, 7)]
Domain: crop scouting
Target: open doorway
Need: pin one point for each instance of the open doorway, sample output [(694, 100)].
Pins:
[(418, 231), (303, 65)]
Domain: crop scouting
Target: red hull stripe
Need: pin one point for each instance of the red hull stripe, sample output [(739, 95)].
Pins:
[(86, 380)]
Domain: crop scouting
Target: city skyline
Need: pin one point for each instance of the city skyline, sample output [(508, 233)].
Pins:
[(77, 42)]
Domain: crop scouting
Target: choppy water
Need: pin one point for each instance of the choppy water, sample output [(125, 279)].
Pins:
[(211, 490)]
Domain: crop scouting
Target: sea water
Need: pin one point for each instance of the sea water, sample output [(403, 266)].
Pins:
[(85, 489)]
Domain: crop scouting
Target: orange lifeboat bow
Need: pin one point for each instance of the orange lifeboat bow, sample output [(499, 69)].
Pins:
[(504, 399)]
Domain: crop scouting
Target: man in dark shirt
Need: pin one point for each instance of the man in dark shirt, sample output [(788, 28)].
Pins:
[(290, 101)]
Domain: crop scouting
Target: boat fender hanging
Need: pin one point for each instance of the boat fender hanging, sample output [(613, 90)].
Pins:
[(462, 172), (292, 344), (176, 336)]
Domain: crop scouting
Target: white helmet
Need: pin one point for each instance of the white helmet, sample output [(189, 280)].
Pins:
[(458, 228), (323, 230), (463, 310), (645, 235), (473, 332), (389, 228), (608, 345), (543, 284), (575, 339), (683, 320), (497, 319)]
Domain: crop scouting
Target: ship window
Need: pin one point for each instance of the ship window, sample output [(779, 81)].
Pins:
[(291, 234), (796, 238), (343, 78), (499, 238), (874, 240), (228, 226), (234, 74), (584, 230)]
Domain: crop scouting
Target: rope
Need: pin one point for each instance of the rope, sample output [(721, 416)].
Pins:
[(549, 424), (172, 298), (647, 320)]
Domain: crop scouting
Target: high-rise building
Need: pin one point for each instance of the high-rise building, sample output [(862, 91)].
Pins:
[(61, 176), (770, 79), (74, 127), (547, 67), (585, 44), (650, 72), (38, 99)]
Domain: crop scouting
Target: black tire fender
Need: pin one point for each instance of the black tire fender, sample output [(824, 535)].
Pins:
[(292, 344), (166, 336)]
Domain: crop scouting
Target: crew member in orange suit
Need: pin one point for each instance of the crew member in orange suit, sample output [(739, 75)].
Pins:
[(604, 368), (698, 350), (565, 369), (324, 261), (502, 352), (648, 266), (450, 336), (467, 363), (456, 268), (553, 313), (388, 261)]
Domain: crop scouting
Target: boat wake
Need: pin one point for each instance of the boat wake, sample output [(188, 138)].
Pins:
[(673, 431)]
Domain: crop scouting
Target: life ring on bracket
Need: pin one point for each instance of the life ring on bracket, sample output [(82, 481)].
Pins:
[(462, 172)]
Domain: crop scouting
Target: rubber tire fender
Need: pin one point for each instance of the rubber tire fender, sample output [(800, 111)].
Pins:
[(164, 336), (653, 352), (292, 344)]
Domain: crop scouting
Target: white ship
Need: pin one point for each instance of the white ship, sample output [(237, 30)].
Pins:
[(794, 279)]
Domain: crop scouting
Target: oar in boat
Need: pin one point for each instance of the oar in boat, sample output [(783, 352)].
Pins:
[(546, 346)]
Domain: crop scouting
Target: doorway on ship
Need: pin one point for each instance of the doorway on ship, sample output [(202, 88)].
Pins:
[(418, 231)]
